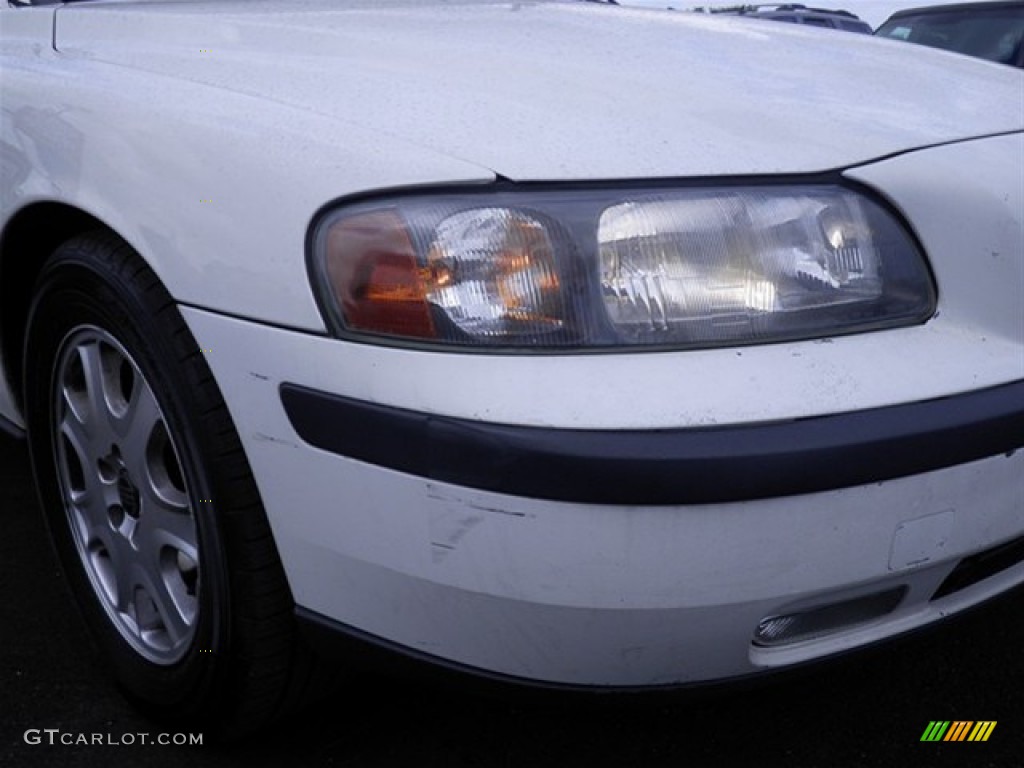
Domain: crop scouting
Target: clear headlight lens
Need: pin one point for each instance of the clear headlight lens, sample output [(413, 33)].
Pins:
[(492, 272), (607, 268), (717, 265)]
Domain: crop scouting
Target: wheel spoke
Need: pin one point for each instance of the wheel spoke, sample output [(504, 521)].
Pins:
[(140, 419), (163, 482), (120, 564), (78, 437), (162, 525), (92, 521), (158, 613), (168, 547), (76, 425), (99, 417), (83, 484)]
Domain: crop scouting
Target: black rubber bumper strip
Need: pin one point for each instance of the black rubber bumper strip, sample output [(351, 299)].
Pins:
[(663, 467)]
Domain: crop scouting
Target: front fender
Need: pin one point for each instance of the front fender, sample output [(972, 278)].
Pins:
[(215, 189)]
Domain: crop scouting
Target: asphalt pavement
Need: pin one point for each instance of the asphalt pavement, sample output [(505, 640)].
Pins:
[(867, 709)]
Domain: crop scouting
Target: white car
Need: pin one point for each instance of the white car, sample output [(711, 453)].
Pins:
[(553, 341)]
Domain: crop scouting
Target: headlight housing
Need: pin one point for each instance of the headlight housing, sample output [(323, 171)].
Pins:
[(565, 269)]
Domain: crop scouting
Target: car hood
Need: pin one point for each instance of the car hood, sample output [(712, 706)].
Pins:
[(566, 90)]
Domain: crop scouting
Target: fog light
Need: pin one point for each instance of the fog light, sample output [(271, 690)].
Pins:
[(823, 620)]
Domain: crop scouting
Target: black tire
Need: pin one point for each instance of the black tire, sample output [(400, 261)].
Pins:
[(161, 533)]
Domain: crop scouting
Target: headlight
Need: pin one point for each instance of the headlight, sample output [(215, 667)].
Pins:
[(565, 269)]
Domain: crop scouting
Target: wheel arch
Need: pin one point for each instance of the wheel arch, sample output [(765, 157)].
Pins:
[(27, 241)]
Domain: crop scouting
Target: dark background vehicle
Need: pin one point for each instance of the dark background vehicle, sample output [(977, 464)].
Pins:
[(990, 30), (800, 14)]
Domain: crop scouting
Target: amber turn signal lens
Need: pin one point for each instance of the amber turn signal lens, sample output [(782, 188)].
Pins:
[(372, 269)]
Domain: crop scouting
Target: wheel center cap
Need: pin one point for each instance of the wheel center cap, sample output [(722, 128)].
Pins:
[(128, 492)]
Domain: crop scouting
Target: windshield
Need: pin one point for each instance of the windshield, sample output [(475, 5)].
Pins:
[(995, 34)]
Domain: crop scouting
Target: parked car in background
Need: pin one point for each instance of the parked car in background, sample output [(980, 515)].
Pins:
[(988, 30), (796, 14), (556, 342)]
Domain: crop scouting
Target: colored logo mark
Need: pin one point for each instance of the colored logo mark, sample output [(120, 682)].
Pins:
[(959, 730)]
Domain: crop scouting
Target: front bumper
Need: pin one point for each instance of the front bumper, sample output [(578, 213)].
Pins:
[(659, 586), (601, 593)]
